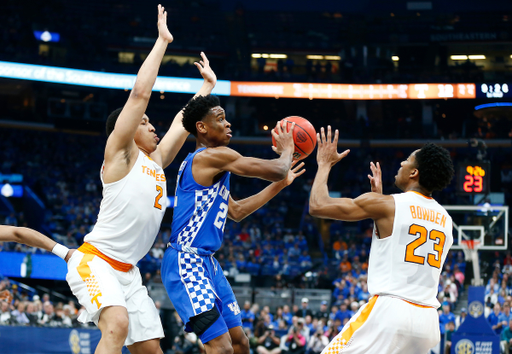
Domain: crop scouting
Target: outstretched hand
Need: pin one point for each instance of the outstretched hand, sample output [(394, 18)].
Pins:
[(163, 31), (327, 152), (294, 172), (375, 178), (283, 137), (205, 70)]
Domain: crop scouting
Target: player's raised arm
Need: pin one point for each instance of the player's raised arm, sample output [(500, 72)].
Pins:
[(33, 238), (226, 159), (369, 205), (240, 209), (121, 142), (176, 135)]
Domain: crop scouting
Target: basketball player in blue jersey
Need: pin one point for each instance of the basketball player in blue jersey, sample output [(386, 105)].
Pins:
[(193, 278)]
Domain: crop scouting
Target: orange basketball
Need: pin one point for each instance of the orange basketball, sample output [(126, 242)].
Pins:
[(304, 136)]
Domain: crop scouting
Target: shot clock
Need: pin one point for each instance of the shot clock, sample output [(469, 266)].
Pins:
[(473, 177)]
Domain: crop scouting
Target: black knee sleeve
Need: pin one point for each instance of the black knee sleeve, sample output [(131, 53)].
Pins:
[(203, 321)]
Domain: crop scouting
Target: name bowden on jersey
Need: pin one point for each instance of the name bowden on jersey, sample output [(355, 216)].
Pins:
[(160, 177), (426, 214)]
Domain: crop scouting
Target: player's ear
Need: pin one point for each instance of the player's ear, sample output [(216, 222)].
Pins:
[(414, 173), (201, 127)]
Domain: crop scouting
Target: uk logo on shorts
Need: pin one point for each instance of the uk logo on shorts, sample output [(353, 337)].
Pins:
[(234, 308)]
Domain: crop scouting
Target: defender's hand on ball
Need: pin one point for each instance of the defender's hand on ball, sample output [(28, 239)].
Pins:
[(376, 179), (163, 31), (327, 152), (284, 139)]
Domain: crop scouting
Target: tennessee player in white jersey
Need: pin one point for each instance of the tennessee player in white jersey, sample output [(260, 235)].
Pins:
[(412, 236), (102, 272)]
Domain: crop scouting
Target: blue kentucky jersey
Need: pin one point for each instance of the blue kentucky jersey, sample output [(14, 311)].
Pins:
[(199, 212)]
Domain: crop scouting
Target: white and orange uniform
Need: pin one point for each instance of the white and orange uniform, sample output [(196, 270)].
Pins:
[(103, 272), (403, 277)]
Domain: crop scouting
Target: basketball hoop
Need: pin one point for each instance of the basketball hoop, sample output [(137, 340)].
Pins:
[(470, 248)]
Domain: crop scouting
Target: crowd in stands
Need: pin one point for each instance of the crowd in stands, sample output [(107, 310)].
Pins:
[(26, 308), (232, 34)]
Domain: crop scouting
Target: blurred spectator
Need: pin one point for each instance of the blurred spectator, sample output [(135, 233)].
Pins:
[(461, 318), (450, 328), (247, 316), (318, 342), (5, 313), (445, 317), (269, 343), (506, 337), (494, 318), (323, 313), (19, 316), (295, 342), (304, 310)]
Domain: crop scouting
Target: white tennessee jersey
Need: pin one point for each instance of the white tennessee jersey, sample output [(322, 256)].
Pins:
[(408, 263), (131, 212)]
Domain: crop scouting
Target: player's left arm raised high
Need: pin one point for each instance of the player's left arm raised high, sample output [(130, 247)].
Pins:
[(367, 206), (30, 238), (176, 135), (240, 209)]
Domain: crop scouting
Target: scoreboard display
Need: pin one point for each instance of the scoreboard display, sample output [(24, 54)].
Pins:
[(473, 177), (493, 90)]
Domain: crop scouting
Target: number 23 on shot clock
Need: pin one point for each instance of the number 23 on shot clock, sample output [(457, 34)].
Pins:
[(473, 177)]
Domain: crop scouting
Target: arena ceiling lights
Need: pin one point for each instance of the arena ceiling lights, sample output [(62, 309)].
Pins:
[(271, 56), (466, 57)]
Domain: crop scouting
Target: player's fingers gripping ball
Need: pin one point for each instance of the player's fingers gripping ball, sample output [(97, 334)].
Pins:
[(304, 136)]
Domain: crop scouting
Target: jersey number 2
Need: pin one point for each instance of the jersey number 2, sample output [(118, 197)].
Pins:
[(438, 237), (220, 219), (160, 191)]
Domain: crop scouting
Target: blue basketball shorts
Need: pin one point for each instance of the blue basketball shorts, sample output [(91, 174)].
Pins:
[(195, 284)]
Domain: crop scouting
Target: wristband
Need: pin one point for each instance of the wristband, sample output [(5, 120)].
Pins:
[(60, 250)]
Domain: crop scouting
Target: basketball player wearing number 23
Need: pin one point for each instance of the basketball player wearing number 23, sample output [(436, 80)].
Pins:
[(193, 278), (412, 236)]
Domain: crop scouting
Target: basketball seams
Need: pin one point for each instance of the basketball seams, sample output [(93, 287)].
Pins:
[(305, 131), (302, 137)]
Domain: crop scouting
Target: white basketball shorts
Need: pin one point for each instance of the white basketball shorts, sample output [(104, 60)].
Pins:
[(388, 325), (98, 282)]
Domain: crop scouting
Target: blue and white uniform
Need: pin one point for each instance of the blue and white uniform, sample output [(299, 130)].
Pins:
[(193, 278)]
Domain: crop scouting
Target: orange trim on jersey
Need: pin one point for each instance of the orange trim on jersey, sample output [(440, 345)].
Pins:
[(418, 305), (87, 248), (343, 338), (418, 193)]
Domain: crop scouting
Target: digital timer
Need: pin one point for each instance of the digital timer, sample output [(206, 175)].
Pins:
[(473, 177)]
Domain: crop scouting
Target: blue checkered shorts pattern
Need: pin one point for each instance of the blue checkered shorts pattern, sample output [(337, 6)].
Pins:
[(198, 286), (204, 201)]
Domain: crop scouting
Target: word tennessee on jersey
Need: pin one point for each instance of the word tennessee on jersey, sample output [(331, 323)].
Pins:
[(199, 212)]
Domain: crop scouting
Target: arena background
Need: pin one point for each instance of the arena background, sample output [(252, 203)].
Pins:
[(390, 76)]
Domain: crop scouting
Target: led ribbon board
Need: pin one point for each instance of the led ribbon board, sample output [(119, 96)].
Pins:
[(104, 80)]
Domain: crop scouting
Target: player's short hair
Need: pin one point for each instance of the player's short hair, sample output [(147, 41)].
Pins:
[(111, 121), (435, 167), (196, 109)]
